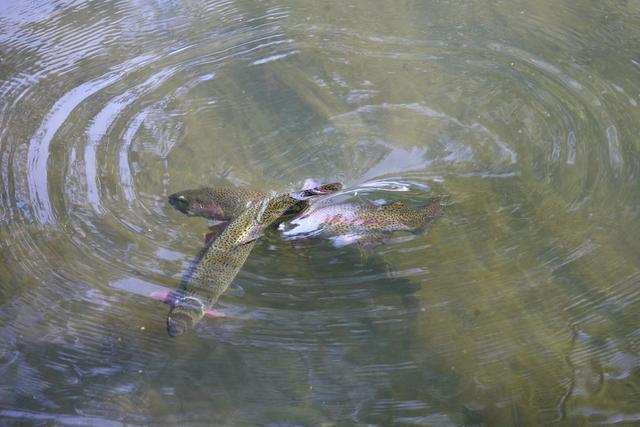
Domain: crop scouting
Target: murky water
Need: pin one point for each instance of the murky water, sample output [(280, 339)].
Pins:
[(520, 306)]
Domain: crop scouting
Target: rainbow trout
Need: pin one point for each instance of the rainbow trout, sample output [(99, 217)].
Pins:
[(227, 203), (343, 223), (216, 203), (348, 223), (220, 261)]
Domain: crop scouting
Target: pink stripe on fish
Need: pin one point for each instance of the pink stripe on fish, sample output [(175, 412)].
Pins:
[(214, 313)]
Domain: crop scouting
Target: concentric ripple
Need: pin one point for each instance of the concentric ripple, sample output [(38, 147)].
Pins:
[(518, 306)]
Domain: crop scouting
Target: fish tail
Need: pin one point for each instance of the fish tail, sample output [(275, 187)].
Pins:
[(434, 207), (427, 212)]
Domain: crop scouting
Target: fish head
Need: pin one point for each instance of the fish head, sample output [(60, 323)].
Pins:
[(310, 188), (294, 210), (185, 313), (320, 190), (196, 203)]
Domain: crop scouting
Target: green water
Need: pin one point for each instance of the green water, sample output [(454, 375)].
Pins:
[(520, 306)]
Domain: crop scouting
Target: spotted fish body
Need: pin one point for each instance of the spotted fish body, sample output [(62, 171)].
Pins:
[(217, 203), (342, 223), (348, 223), (219, 263), (224, 203)]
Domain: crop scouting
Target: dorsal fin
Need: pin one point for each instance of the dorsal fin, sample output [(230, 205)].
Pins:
[(255, 233)]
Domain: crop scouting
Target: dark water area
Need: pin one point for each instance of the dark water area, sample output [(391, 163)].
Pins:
[(519, 306)]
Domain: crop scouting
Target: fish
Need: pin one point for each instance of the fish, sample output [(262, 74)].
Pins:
[(343, 224), (223, 204), (348, 223), (216, 203), (220, 261)]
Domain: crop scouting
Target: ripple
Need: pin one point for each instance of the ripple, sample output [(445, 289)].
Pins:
[(39, 146), (105, 118), (523, 293)]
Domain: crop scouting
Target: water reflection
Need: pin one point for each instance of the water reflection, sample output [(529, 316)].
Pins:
[(517, 307)]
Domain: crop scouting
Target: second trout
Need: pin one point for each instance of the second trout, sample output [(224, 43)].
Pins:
[(218, 264)]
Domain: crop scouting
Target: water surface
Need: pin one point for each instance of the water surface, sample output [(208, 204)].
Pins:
[(519, 307)]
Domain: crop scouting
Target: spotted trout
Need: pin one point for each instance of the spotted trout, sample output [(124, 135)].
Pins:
[(227, 203), (218, 264), (348, 223), (216, 203), (343, 223)]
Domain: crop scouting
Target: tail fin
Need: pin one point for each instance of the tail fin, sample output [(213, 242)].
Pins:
[(433, 208), (427, 213)]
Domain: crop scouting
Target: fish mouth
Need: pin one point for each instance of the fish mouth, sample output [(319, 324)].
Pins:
[(179, 202), (327, 188), (321, 190), (180, 320), (184, 313), (175, 326)]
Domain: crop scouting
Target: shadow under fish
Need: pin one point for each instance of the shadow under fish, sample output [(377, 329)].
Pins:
[(219, 262)]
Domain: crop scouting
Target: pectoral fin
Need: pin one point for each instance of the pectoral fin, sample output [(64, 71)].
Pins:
[(214, 232), (254, 234), (163, 296)]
